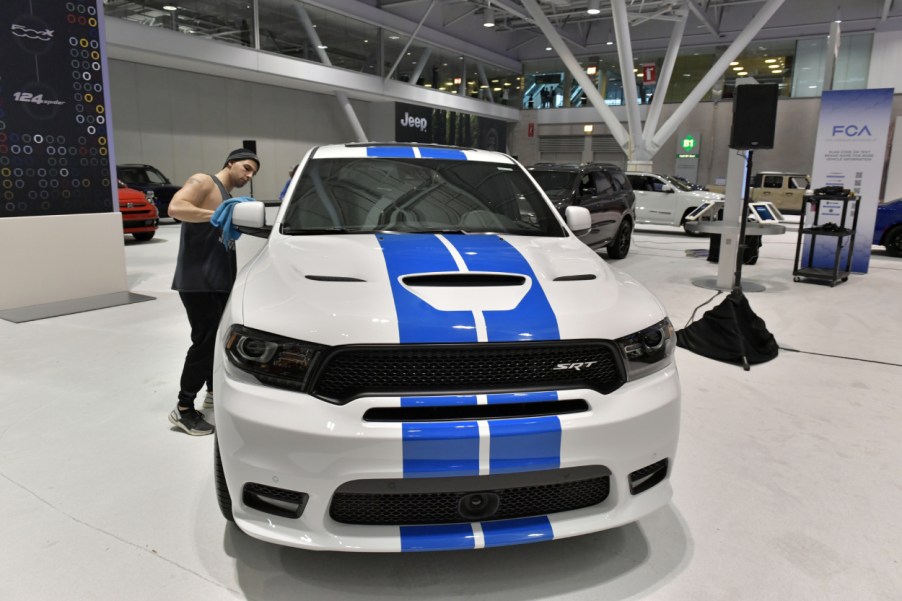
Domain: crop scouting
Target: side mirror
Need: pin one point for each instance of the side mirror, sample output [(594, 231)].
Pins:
[(666, 188), (578, 220), (250, 218)]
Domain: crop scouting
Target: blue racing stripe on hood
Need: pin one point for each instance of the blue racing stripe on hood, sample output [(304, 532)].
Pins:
[(442, 153), (434, 449), (407, 254), (533, 318), (525, 445)]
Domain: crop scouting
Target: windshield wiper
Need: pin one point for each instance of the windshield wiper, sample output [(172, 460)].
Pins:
[(298, 231)]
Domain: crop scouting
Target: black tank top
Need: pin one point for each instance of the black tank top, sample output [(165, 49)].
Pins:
[(204, 264)]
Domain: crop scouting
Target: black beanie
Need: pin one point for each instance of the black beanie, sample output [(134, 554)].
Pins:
[(239, 154)]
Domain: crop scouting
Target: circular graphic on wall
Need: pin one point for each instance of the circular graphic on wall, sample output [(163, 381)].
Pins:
[(32, 34)]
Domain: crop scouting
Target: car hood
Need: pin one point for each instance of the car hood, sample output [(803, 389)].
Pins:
[(426, 288), (703, 195)]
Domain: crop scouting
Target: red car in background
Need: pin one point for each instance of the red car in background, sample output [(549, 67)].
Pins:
[(139, 214)]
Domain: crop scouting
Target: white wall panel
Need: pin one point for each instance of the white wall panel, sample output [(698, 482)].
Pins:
[(886, 56)]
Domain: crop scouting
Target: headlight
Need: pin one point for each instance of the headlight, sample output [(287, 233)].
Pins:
[(274, 360), (648, 350)]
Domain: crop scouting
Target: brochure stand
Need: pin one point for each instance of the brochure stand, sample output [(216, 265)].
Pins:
[(827, 217)]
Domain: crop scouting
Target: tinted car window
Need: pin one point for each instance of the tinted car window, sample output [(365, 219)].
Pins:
[(603, 184), (416, 195), (587, 185), (552, 181), (620, 180), (773, 181)]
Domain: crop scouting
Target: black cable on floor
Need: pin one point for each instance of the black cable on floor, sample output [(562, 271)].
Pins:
[(783, 348), (692, 317)]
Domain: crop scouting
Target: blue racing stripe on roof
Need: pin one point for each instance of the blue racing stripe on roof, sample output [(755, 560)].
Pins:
[(522, 397), (533, 318), (418, 321), (440, 449), (442, 153), (391, 152), (446, 537), (438, 401), (524, 445), (517, 531)]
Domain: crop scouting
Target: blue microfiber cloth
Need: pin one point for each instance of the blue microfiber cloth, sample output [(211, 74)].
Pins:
[(222, 218)]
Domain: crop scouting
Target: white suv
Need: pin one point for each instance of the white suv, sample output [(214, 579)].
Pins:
[(663, 200), (423, 356)]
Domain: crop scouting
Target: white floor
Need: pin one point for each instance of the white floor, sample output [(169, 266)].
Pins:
[(787, 480)]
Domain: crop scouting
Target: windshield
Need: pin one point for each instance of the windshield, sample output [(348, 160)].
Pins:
[(554, 181), (366, 195), (678, 184)]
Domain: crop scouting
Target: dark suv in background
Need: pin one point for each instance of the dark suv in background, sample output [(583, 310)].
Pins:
[(604, 190), (149, 179)]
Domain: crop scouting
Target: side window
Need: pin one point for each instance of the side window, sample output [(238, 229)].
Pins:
[(587, 185), (603, 184), (773, 181), (620, 181), (656, 184)]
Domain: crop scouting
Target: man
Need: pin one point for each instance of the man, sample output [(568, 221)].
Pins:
[(204, 274)]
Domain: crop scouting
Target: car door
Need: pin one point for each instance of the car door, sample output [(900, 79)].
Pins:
[(603, 206), (653, 204)]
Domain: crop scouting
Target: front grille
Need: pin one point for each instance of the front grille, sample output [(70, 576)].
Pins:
[(444, 506), (411, 369)]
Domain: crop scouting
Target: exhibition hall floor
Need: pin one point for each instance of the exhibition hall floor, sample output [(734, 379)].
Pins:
[(786, 479)]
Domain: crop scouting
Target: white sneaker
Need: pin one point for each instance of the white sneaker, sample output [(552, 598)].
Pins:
[(208, 400)]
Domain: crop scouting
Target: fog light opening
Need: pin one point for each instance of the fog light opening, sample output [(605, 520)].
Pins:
[(275, 501), (647, 477)]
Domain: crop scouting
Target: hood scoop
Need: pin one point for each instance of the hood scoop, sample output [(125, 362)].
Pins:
[(332, 278), (575, 278), (468, 291), (463, 280)]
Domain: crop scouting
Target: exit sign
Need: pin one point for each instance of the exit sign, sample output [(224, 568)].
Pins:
[(688, 146)]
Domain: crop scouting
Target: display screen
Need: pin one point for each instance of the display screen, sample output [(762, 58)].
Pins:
[(54, 142), (764, 212)]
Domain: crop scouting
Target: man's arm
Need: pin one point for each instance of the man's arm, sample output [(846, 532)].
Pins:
[(187, 204)]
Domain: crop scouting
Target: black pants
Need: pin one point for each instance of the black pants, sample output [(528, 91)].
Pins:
[(204, 311)]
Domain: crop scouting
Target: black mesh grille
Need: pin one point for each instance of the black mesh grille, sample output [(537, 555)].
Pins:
[(350, 372), (444, 507)]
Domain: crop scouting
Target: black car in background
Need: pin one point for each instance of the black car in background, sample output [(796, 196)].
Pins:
[(149, 179), (604, 190)]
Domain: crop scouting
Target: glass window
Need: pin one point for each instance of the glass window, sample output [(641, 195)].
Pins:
[(773, 181), (416, 195), (602, 183)]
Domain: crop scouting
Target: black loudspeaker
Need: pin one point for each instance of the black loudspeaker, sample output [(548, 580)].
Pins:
[(754, 116), (250, 145)]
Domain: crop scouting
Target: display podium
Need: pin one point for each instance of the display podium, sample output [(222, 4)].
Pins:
[(832, 218)]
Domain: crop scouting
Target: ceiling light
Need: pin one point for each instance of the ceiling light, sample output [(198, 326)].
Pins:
[(777, 71), (737, 68), (489, 18), (587, 128), (394, 37), (592, 70), (770, 60), (593, 7), (734, 63), (548, 48), (743, 73), (170, 7), (322, 47)]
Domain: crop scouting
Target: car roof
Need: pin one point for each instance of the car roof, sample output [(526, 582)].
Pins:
[(408, 150), (572, 166)]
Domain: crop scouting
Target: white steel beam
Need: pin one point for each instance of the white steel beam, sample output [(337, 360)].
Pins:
[(702, 17), (716, 71), (627, 78), (342, 98), (409, 41), (657, 102), (607, 115)]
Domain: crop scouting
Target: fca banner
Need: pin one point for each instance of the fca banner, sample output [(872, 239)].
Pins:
[(54, 140)]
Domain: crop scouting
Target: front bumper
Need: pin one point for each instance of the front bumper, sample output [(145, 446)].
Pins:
[(287, 440)]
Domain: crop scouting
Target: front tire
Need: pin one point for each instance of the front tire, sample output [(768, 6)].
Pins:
[(620, 245), (893, 241), (222, 490), (143, 236), (683, 223)]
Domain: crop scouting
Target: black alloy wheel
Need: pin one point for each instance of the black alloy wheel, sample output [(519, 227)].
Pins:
[(893, 241), (620, 245)]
